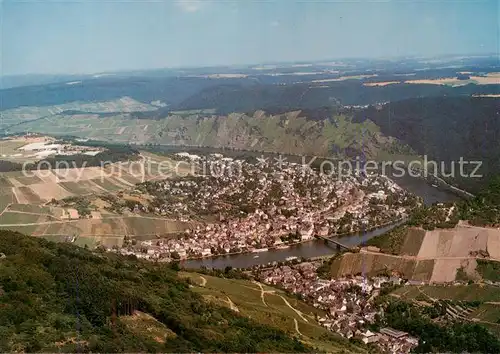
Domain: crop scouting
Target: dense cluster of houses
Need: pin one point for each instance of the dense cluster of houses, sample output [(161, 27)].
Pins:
[(347, 302), (259, 207)]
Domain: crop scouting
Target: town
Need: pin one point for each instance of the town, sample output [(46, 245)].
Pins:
[(248, 207), (348, 302)]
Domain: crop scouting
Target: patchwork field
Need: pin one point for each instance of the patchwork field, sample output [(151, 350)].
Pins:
[(374, 264), (9, 150), (26, 202), (40, 186), (343, 78), (57, 223), (488, 95), (19, 115), (430, 256), (273, 307)]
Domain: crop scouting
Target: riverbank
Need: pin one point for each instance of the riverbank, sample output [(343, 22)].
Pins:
[(445, 185), (255, 251), (258, 251), (309, 249), (438, 182)]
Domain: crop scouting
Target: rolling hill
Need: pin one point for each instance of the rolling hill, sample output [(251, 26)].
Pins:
[(56, 297), (238, 98)]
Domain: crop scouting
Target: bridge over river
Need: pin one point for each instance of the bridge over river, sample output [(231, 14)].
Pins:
[(336, 238), (318, 247), (337, 243), (310, 249)]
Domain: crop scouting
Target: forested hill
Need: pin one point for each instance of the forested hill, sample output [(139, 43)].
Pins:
[(62, 298), (445, 129), (234, 94), (245, 98)]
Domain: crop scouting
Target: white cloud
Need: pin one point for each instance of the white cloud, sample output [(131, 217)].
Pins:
[(189, 5), (275, 24)]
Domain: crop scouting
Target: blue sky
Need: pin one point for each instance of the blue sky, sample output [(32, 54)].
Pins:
[(94, 36)]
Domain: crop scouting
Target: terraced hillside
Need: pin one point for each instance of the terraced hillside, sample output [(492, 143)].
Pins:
[(431, 256), (14, 116), (474, 303)]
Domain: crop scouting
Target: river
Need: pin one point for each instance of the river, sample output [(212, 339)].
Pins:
[(423, 189), (318, 248), (314, 248)]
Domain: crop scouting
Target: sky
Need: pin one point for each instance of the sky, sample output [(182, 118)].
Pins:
[(75, 37)]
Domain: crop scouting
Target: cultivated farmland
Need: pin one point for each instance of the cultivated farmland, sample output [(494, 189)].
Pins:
[(42, 202)]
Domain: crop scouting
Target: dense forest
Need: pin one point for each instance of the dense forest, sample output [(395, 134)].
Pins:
[(445, 129), (144, 89), (257, 91), (56, 297), (237, 97)]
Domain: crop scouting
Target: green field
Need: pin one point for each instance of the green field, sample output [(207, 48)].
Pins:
[(30, 195), (20, 218), (6, 197), (488, 312), (423, 270), (26, 230), (30, 208), (77, 188), (271, 308), (4, 182), (27, 180), (150, 226), (399, 241)]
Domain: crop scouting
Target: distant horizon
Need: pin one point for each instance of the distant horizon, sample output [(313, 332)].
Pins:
[(250, 65), (85, 36)]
